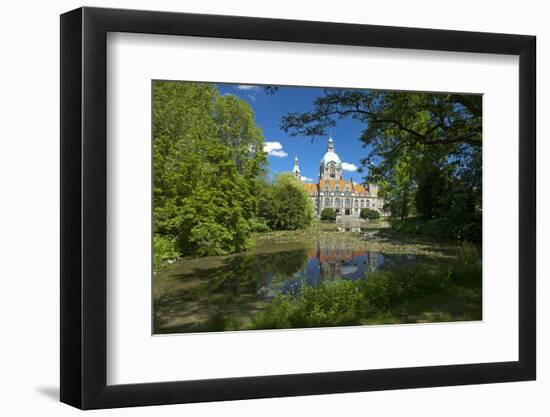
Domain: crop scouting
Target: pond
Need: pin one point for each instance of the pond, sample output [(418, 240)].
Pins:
[(193, 293)]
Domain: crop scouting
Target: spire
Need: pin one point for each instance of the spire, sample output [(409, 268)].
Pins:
[(296, 170), (330, 147)]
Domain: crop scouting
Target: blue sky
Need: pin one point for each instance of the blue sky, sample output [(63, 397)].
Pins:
[(269, 110)]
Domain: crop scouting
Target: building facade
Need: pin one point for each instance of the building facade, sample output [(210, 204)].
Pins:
[(334, 191)]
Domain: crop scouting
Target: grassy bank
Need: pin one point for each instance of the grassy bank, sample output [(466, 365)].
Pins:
[(407, 296)]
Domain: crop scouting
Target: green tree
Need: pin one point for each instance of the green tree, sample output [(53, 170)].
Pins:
[(395, 120), (367, 213), (424, 150), (207, 159), (328, 214), (286, 204), (397, 188), (433, 183)]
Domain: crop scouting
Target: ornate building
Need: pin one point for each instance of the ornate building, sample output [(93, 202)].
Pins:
[(333, 191)]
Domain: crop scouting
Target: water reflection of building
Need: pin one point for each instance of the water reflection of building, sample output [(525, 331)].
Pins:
[(337, 259), (334, 259), (333, 191)]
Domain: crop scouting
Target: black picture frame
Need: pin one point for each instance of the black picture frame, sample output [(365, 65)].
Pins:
[(84, 207)]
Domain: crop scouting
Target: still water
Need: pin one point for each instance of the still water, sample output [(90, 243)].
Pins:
[(193, 291)]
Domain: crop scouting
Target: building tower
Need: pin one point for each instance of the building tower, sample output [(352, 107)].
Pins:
[(296, 169), (331, 165)]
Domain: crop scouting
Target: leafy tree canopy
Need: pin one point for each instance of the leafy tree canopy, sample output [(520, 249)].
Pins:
[(328, 214), (368, 213), (395, 120), (286, 204), (423, 149), (207, 160)]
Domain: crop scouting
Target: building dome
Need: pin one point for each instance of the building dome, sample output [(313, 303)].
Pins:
[(329, 157), (331, 164)]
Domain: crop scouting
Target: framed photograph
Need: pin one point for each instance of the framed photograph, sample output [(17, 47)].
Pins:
[(257, 208)]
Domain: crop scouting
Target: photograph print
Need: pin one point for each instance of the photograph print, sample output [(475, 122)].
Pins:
[(288, 207)]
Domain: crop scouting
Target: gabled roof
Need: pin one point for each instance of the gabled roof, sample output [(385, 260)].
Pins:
[(311, 187), (332, 184), (358, 188)]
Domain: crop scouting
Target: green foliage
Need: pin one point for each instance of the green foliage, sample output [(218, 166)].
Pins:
[(345, 302), (285, 204), (259, 225), (207, 161), (431, 185), (470, 270), (164, 250), (332, 304), (371, 214), (328, 214), (426, 150), (460, 227)]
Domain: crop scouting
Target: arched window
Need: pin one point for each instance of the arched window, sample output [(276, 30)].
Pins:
[(327, 201), (347, 202), (337, 202), (362, 203)]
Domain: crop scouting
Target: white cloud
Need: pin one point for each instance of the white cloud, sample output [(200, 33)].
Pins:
[(252, 97), (278, 154), (247, 87), (346, 166), (275, 149), (306, 179), (272, 146)]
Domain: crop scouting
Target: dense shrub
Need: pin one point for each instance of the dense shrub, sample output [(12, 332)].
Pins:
[(164, 250), (370, 214), (285, 204), (461, 228), (259, 225), (328, 214), (470, 270), (331, 304)]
